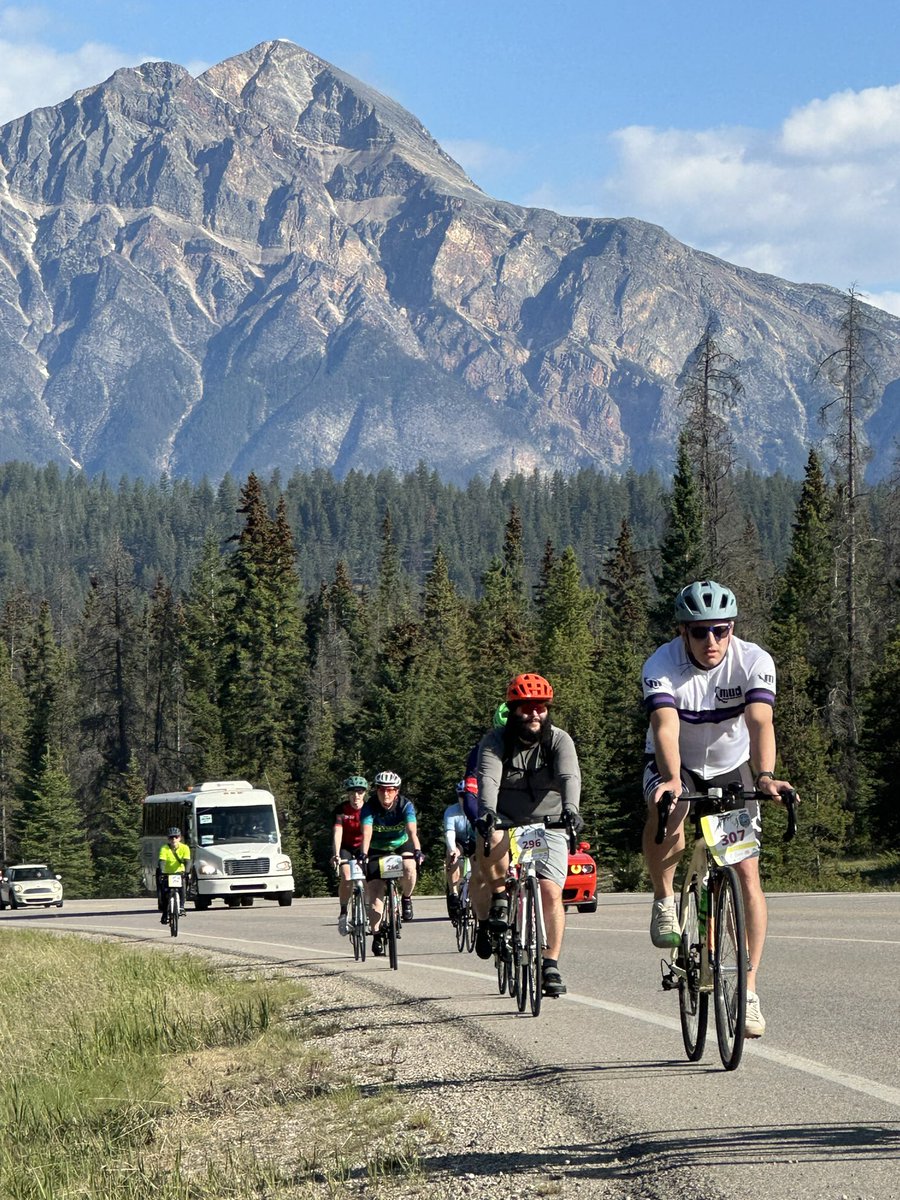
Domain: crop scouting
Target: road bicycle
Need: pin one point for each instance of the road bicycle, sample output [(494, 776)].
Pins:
[(465, 923), (390, 869), (712, 956), (174, 900), (519, 949), (356, 917)]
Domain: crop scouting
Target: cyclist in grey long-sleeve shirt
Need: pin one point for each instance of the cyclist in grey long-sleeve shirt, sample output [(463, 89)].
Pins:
[(527, 771)]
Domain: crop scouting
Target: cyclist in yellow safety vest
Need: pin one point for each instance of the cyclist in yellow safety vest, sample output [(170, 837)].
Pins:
[(174, 859)]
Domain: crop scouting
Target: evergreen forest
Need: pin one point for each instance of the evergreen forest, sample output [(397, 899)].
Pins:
[(293, 632)]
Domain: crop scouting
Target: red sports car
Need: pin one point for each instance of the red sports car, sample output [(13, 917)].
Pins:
[(581, 882)]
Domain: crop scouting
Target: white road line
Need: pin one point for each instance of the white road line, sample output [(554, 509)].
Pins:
[(772, 937), (794, 1062)]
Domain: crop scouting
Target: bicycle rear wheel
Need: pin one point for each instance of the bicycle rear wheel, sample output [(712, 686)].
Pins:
[(358, 925), (693, 1004), (471, 928), (730, 968), (532, 949), (459, 926), (392, 906)]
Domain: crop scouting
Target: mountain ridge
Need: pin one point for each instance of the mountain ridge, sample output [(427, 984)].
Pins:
[(273, 265)]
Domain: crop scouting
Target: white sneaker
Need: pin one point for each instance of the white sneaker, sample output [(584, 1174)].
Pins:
[(665, 931), (342, 924), (755, 1022)]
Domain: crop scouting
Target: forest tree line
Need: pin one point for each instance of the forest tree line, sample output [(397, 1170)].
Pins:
[(294, 633)]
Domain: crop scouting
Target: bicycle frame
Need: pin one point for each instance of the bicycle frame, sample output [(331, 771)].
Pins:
[(391, 869), (357, 923), (518, 955), (174, 899)]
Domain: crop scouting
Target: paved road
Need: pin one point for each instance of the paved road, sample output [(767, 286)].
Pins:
[(813, 1111)]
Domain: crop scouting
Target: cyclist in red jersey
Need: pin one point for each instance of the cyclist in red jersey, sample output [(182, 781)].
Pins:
[(347, 840)]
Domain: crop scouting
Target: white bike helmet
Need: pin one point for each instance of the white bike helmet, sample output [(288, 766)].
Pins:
[(705, 600), (387, 779)]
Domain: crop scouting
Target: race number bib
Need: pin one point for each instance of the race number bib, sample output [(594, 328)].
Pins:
[(356, 871), (529, 842), (175, 881), (730, 836), (390, 866)]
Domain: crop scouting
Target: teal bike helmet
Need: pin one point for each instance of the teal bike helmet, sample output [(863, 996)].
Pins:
[(501, 716), (354, 783), (705, 600)]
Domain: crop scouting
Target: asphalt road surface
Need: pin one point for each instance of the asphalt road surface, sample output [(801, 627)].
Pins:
[(812, 1112)]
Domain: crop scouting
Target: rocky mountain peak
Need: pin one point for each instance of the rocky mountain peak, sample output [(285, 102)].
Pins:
[(274, 265)]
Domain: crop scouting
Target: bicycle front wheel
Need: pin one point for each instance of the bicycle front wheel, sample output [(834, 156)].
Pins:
[(174, 907), (532, 949), (730, 968), (391, 906), (358, 929), (693, 1004)]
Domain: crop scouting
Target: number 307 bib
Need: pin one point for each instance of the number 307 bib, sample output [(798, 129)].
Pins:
[(730, 836)]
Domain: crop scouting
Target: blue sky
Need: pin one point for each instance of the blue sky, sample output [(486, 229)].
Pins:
[(765, 133)]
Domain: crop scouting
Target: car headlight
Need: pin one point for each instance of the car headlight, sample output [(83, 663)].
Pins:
[(587, 869), (206, 869), (283, 864), (18, 887)]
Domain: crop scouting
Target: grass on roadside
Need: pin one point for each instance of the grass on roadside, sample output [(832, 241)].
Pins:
[(134, 1075)]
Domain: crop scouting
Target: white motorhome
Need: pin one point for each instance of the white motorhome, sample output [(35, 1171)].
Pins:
[(234, 839)]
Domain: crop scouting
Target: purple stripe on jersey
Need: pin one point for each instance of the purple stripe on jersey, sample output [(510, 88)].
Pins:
[(760, 696), (659, 700), (710, 718)]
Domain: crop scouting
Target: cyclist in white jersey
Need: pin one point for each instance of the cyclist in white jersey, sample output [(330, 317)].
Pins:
[(710, 697)]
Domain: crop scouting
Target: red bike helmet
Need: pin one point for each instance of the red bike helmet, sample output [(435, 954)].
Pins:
[(529, 687)]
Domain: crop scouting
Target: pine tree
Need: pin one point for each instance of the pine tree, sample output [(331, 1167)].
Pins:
[(117, 842), (805, 593), (107, 646), (163, 691), (852, 375), (626, 645), (808, 758), (681, 552), (504, 632), (881, 745), (12, 749), (568, 653), (204, 630), (710, 392), (263, 670), (54, 829)]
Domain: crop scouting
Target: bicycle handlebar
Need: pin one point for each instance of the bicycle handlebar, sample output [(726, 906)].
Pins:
[(732, 797), (504, 823)]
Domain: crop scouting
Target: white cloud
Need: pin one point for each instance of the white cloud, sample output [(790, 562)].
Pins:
[(817, 200), (845, 124), (889, 301), (33, 75)]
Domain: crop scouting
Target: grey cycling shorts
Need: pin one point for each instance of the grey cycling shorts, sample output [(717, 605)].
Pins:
[(693, 783), (556, 866)]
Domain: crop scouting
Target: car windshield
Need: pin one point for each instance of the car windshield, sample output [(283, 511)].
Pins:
[(240, 823), (17, 874)]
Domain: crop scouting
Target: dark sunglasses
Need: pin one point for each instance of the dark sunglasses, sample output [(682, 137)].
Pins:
[(701, 632)]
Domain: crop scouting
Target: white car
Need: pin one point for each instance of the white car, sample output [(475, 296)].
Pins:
[(31, 884)]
